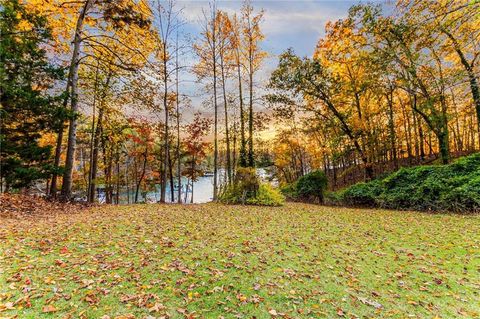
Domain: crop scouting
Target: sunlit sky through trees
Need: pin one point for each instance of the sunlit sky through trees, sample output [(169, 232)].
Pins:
[(286, 24)]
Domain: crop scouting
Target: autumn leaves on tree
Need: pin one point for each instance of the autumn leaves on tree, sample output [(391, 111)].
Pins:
[(124, 55), (229, 48), (111, 111), (383, 91)]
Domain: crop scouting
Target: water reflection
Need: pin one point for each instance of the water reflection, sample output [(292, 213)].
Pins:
[(202, 190)]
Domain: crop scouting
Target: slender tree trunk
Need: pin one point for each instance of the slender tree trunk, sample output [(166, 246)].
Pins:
[(443, 135), (391, 126), (94, 157), (66, 193), (56, 163), (179, 164), (165, 106), (421, 135), (58, 147), (193, 174), (251, 159), (117, 164), (234, 153), (227, 136), (142, 175), (215, 155), (172, 187), (90, 196), (243, 142), (127, 183), (459, 138), (443, 142)]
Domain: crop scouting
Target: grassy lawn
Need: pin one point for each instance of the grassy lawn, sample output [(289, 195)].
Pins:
[(214, 261)]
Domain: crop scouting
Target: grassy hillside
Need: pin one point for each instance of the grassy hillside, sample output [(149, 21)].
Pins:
[(207, 261), (454, 188)]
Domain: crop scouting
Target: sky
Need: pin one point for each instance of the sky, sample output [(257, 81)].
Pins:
[(295, 24), (286, 24)]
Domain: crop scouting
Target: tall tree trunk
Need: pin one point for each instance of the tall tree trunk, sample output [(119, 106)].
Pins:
[(391, 126), (234, 153), (251, 159), (94, 157), (117, 164), (193, 174), (66, 193), (127, 182), (227, 136), (142, 175), (179, 164), (243, 142), (90, 196), (215, 152), (172, 187), (56, 163), (443, 135), (166, 137), (58, 147)]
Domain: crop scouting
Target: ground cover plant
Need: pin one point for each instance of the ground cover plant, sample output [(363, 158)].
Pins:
[(310, 187), (219, 261), (453, 187)]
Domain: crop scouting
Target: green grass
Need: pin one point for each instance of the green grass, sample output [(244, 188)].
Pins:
[(208, 261)]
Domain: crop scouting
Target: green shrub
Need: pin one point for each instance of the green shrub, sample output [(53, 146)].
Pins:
[(465, 197), (312, 186), (454, 187), (333, 198), (361, 194), (267, 196), (247, 189), (290, 191)]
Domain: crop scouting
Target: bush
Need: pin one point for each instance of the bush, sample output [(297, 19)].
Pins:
[(312, 186), (290, 191), (247, 189), (465, 197), (267, 196), (454, 187), (362, 194)]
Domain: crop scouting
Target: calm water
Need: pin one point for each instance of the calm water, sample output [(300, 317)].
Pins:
[(202, 191)]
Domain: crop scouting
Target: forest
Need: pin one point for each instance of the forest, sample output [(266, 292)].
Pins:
[(239, 159), (109, 111)]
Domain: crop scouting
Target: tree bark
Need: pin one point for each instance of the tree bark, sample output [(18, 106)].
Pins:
[(251, 159), (66, 193), (215, 156), (227, 133), (179, 164), (94, 157)]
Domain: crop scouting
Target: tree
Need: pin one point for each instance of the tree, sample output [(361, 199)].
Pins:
[(459, 28), (195, 148), (253, 55), (226, 59), (315, 82), (27, 109), (167, 24), (236, 42), (398, 41), (116, 15), (206, 68)]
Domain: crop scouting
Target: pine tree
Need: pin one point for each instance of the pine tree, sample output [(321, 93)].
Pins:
[(27, 110)]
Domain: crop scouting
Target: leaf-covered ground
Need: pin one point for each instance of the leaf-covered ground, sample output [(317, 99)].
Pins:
[(214, 261)]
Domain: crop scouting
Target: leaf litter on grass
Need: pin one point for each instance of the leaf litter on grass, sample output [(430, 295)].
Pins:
[(216, 261)]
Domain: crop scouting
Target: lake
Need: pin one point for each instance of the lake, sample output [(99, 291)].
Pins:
[(202, 190)]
